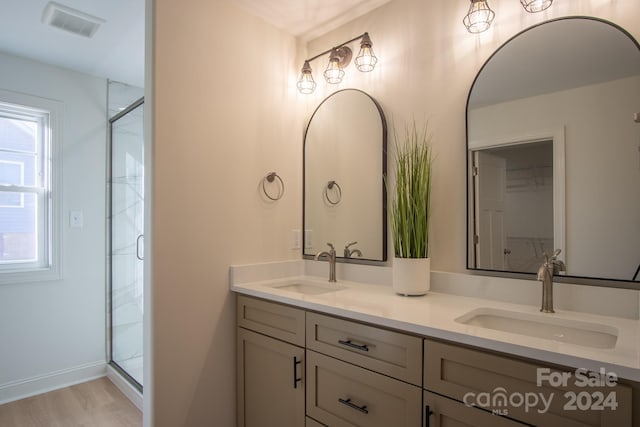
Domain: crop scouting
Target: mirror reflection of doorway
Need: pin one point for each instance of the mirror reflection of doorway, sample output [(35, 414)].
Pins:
[(127, 242), (514, 205)]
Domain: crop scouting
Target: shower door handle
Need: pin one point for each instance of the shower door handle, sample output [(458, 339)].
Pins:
[(140, 257)]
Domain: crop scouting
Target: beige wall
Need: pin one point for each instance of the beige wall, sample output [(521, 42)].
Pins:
[(226, 113), (427, 63), (223, 118)]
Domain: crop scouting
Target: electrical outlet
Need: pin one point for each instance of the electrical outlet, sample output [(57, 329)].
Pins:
[(308, 243), (295, 239)]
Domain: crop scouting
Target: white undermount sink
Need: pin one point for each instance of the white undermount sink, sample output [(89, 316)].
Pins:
[(309, 289), (544, 326)]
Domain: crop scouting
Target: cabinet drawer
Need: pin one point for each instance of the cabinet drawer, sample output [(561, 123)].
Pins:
[(340, 394), (463, 373), (390, 353), (276, 320), (443, 412)]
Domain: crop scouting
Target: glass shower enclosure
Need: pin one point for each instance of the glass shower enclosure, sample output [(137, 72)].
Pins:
[(126, 248)]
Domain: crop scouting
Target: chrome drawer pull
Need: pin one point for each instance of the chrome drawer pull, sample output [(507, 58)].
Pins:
[(347, 402), (348, 343)]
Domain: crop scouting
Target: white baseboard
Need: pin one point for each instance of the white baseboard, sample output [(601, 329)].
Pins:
[(17, 390), (125, 387)]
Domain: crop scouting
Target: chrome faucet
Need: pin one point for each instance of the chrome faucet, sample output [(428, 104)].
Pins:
[(348, 252), (331, 257), (552, 266)]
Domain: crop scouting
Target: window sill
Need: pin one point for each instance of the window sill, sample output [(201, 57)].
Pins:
[(31, 275)]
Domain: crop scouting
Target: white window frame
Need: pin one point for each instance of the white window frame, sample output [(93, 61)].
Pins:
[(49, 115), (21, 166)]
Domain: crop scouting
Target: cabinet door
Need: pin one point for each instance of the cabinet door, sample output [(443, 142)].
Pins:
[(270, 382), (443, 412)]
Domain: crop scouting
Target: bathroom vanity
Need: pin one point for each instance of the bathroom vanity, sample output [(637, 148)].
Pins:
[(351, 354)]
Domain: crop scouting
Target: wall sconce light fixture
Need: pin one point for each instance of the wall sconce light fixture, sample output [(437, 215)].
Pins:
[(366, 59), (479, 17), (306, 84), (533, 6), (339, 58)]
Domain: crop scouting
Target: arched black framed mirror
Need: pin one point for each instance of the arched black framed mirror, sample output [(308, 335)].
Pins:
[(344, 163), (553, 144)]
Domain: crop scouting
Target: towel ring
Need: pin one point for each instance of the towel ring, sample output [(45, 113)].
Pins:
[(271, 177), (330, 186)]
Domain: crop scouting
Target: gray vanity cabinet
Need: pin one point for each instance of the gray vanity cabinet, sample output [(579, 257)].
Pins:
[(270, 364), (503, 385), (306, 369), (353, 374)]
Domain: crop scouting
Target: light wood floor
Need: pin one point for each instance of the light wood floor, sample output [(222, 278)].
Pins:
[(96, 403)]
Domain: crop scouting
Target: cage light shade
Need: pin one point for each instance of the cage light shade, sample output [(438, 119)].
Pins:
[(533, 6), (306, 84), (479, 17), (366, 59), (334, 73)]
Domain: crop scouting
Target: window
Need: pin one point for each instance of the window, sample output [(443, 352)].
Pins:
[(27, 231)]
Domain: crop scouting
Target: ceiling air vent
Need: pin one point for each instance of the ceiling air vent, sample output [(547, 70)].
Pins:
[(71, 20)]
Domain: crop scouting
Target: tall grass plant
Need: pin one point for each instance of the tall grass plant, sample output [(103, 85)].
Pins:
[(411, 192)]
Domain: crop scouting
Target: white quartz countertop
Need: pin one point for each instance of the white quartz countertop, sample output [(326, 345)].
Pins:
[(434, 314)]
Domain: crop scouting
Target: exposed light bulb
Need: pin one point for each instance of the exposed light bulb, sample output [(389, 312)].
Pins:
[(534, 6), (479, 17), (306, 84), (366, 59), (334, 73)]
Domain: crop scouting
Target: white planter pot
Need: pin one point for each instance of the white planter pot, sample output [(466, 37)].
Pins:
[(411, 276)]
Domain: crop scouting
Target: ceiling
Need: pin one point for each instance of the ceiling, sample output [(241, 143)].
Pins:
[(116, 51), (308, 19)]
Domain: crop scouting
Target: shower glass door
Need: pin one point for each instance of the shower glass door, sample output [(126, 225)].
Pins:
[(127, 241)]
